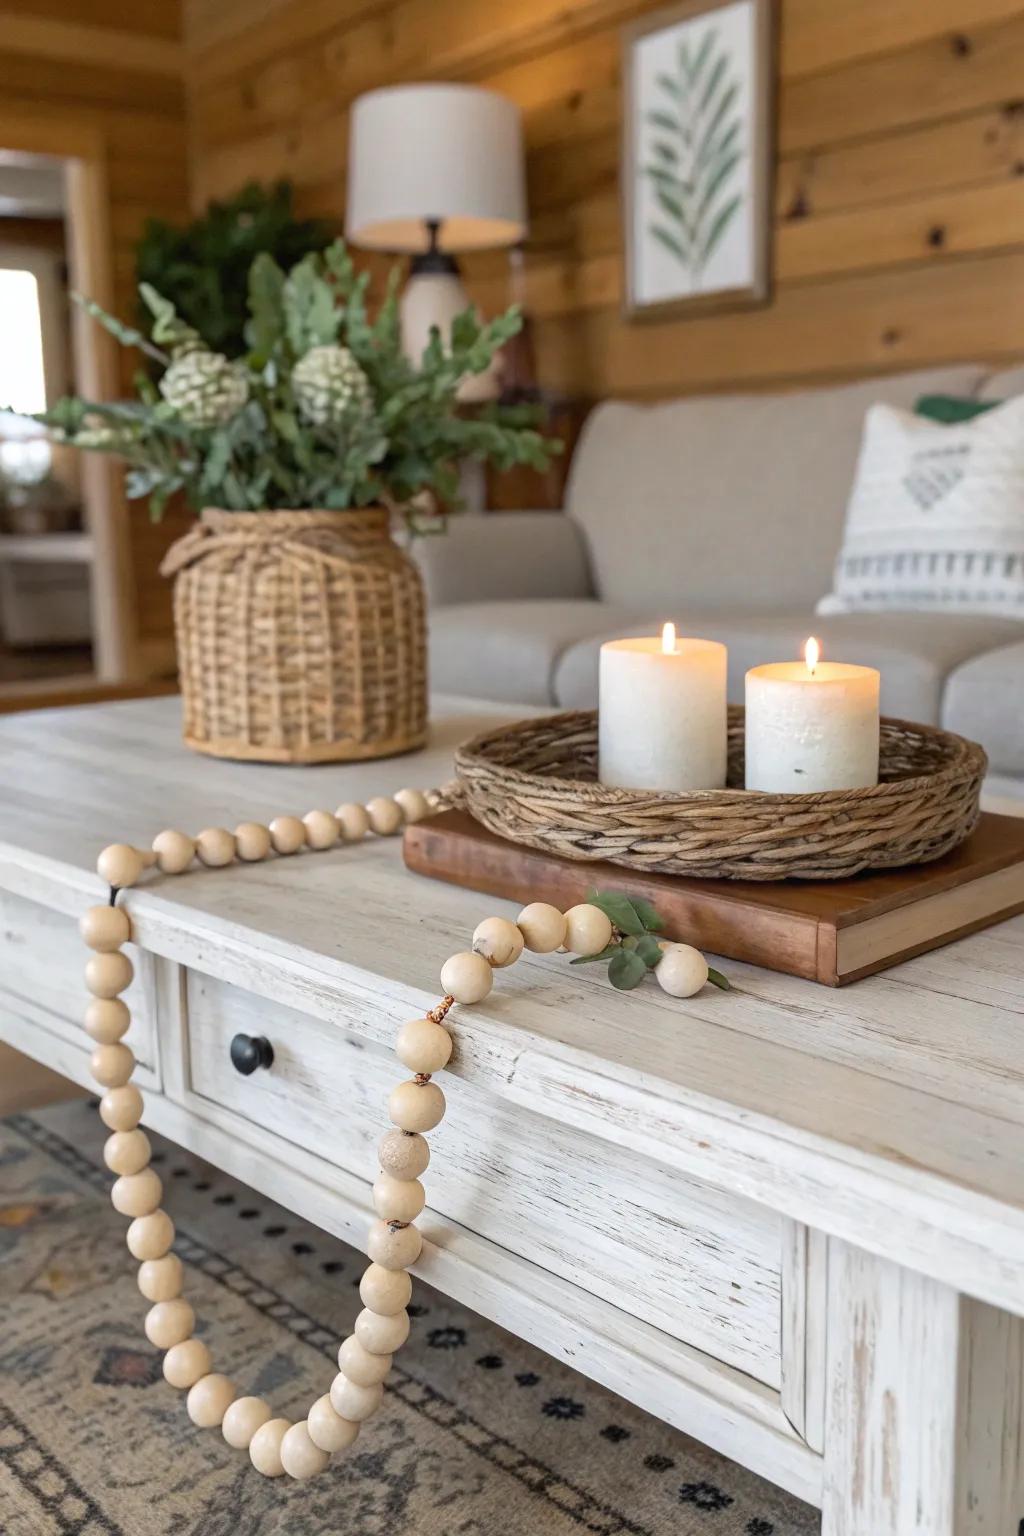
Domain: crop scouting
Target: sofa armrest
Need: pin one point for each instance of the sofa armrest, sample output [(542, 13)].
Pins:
[(495, 556)]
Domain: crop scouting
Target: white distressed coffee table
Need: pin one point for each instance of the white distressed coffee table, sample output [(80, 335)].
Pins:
[(788, 1220)]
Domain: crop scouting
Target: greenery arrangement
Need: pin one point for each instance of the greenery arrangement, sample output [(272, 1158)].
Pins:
[(203, 267), (635, 948), (324, 410)]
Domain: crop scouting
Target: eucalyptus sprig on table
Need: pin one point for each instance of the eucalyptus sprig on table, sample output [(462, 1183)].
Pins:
[(635, 948)]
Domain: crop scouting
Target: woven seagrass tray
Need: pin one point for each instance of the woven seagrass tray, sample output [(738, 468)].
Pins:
[(535, 783)]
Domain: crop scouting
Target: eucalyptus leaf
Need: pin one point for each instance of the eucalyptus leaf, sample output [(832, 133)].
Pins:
[(649, 950), (606, 954), (647, 914), (717, 979), (619, 909), (626, 970)]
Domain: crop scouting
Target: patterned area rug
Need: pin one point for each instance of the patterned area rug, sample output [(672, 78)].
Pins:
[(480, 1435)]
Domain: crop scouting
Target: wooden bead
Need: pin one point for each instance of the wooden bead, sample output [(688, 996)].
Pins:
[(322, 829), (328, 1429), (301, 1457), (588, 930), (398, 1199), (137, 1194), (412, 1106), (215, 847), (681, 971), (413, 803), (287, 835), (392, 1246), (107, 975), (174, 851), (161, 1279), (466, 977), (169, 1323), (186, 1363), (403, 1155), (385, 815), (107, 1019), (265, 1447), (542, 927), (423, 1046), (105, 928), (252, 841), (242, 1419), (382, 1335), (362, 1368), (149, 1237), (353, 820), (120, 865), (112, 1065), (121, 1108), (385, 1291), (352, 1402), (209, 1400), (498, 940), (127, 1152)]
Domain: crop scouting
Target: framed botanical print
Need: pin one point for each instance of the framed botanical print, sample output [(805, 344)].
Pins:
[(697, 157)]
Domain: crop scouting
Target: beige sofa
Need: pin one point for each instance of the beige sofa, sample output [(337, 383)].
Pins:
[(723, 513)]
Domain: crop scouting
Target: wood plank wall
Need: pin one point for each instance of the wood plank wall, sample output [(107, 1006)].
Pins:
[(899, 200)]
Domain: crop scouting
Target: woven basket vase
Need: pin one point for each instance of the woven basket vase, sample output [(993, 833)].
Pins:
[(301, 637)]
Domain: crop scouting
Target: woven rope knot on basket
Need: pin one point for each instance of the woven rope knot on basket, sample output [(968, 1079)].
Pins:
[(301, 636), (536, 783)]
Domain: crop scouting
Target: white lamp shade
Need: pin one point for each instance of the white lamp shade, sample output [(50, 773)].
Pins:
[(451, 153)]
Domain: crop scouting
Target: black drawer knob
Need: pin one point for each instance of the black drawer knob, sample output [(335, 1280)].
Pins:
[(251, 1051)]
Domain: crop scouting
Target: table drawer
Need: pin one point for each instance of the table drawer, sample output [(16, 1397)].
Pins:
[(700, 1265)]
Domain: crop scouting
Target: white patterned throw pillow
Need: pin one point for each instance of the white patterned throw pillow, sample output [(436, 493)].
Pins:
[(935, 519)]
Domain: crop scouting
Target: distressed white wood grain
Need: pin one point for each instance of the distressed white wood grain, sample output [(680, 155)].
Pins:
[(804, 1299)]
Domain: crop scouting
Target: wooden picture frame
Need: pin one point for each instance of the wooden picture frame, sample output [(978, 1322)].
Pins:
[(698, 237)]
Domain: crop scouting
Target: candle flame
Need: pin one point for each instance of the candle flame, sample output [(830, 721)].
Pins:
[(668, 639), (812, 650)]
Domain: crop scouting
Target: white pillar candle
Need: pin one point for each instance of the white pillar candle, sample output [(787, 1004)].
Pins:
[(661, 713), (811, 725)]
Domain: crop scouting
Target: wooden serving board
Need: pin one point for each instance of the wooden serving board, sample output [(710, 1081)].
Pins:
[(830, 931)]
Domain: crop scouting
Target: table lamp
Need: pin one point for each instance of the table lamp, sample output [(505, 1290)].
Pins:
[(433, 170)]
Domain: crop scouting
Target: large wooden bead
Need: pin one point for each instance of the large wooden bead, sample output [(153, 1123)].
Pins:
[(287, 835), (161, 1279), (301, 1457), (328, 1429), (252, 841), (105, 928), (423, 1046), (352, 1402), (107, 975), (588, 930), (413, 803), (415, 1106), (174, 851), (385, 815), (242, 1419), (353, 821), (149, 1237), (137, 1194), (322, 830), (542, 927), (265, 1447), (120, 865), (466, 977), (112, 1065), (385, 1291), (127, 1152), (382, 1335), (186, 1363), (208, 1401), (215, 847), (107, 1019), (403, 1155), (682, 970), (360, 1366), (498, 940), (398, 1199), (121, 1108), (169, 1323), (393, 1246)]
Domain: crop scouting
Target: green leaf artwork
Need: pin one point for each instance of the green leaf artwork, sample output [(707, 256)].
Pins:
[(692, 154)]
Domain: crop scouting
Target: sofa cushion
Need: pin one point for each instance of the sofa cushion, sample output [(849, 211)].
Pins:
[(985, 700), (915, 652), (730, 500)]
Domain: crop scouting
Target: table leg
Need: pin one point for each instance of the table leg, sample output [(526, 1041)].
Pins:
[(924, 1432)]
